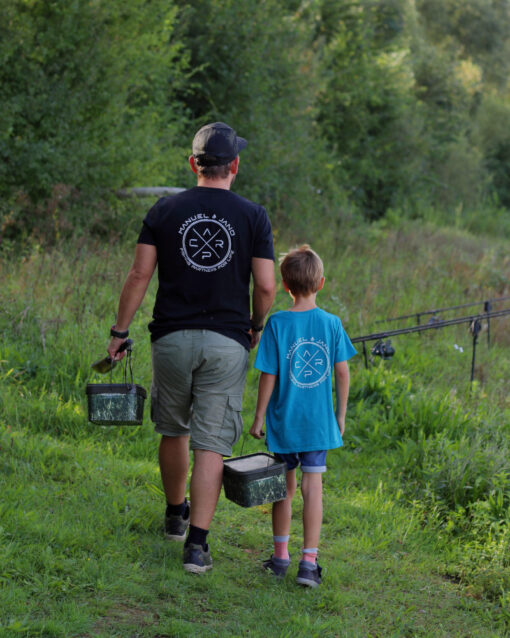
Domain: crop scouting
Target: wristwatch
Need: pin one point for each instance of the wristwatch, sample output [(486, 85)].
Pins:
[(256, 328), (119, 334)]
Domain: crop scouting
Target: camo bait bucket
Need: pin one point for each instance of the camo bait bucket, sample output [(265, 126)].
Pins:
[(254, 479), (116, 403)]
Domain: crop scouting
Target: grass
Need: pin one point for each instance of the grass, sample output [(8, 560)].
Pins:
[(417, 504), (91, 561)]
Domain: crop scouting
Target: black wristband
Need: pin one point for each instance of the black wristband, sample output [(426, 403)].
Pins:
[(257, 328), (119, 334)]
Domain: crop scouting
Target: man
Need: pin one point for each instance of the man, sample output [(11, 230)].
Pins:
[(207, 242)]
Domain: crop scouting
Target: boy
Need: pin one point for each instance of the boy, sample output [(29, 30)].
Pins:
[(297, 352)]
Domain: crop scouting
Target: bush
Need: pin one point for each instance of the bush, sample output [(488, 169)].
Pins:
[(87, 94)]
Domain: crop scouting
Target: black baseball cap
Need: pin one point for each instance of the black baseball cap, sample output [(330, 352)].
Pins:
[(217, 144)]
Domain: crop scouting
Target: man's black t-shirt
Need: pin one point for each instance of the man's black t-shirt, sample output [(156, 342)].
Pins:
[(205, 239)]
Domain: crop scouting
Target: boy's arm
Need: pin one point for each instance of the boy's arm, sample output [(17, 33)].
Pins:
[(266, 387), (342, 392)]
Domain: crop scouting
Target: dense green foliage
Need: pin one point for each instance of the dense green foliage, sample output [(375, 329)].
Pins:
[(367, 105), (86, 98)]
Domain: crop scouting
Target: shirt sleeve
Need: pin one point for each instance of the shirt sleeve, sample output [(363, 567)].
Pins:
[(148, 233), (146, 236), (343, 347), (263, 241), (267, 352)]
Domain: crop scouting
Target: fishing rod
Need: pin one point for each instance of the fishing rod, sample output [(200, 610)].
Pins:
[(433, 311), (487, 307), (386, 351)]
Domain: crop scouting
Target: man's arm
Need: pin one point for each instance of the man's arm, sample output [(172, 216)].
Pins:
[(133, 291), (342, 392), (266, 387), (264, 290)]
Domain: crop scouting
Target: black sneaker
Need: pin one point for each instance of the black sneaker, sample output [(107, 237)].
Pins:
[(278, 566), (309, 577), (177, 525), (196, 559)]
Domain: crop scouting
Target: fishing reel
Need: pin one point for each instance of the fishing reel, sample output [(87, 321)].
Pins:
[(383, 349)]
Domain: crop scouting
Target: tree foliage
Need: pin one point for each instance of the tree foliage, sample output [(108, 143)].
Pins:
[(87, 93), (386, 104)]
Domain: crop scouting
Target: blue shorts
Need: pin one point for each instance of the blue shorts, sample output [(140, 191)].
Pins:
[(313, 462)]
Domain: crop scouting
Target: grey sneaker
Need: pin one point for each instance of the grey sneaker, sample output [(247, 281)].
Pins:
[(176, 526), (309, 575), (278, 566), (196, 559)]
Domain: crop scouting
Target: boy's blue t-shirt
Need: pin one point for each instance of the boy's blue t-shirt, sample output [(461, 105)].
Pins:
[(301, 348)]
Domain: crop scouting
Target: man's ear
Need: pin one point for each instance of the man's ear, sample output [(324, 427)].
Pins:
[(234, 167), (192, 164)]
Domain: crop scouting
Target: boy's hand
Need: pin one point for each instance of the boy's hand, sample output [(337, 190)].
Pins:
[(256, 428), (341, 424)]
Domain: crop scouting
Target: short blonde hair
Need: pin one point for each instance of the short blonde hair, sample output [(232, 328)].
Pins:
[(302, 270)]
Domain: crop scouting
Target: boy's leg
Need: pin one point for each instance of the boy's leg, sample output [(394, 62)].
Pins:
[(311, 488), (309, 571), (281, 517)]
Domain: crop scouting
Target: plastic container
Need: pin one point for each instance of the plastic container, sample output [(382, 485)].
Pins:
[(254, 479), (116, 403)]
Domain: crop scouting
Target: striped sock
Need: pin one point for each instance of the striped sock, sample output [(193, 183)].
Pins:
[(281, 547), (310, 554)]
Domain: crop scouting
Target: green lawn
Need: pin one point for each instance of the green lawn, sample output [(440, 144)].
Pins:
[(416, 537), (83, 554)]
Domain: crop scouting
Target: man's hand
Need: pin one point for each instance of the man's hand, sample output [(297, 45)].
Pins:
[(254, 338), (256, 428), (113, 348)]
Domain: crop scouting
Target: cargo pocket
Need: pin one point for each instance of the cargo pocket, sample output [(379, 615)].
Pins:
[(154, 404), (233, 422)]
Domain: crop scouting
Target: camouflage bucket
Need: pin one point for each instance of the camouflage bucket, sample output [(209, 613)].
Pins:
[(254, 479), (116, 403)]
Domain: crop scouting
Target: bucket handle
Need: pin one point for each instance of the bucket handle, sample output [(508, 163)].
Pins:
[(127, 363), (245, 434)]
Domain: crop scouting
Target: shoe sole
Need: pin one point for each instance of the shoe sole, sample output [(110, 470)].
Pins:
[(307, 583), (196, 569)]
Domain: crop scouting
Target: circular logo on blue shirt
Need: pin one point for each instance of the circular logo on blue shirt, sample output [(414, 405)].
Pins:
[(309, 363), (206, 244)]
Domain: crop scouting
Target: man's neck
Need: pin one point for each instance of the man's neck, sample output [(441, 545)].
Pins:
[(224, 183)]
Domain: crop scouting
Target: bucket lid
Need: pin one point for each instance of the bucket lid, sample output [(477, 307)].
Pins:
[(254, 464), (116, 388)]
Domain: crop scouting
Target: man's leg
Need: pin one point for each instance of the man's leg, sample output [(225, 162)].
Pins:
[(174, 464), (206, 479), (218, 381)]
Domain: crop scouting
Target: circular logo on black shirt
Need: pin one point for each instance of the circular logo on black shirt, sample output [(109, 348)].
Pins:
[(309, 363), (207, 244)]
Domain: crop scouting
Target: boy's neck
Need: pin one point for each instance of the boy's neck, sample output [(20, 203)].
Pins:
[(304, 302)]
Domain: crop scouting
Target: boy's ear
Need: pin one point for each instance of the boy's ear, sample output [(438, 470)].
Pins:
[(321, 285), (285, 287)]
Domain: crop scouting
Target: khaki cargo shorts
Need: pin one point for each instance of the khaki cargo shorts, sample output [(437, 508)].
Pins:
[(197, 388)]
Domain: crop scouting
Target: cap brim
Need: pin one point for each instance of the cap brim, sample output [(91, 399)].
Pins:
[(241, 143)]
